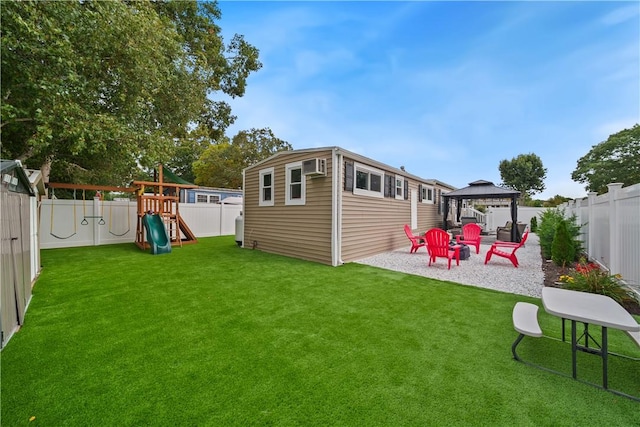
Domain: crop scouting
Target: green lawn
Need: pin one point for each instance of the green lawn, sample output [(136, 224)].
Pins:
[(212, 334)]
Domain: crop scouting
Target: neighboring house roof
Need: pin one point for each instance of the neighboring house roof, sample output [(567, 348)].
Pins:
[(232, 200), (217, 189), (15, 177), (482, 189), (354, 156)]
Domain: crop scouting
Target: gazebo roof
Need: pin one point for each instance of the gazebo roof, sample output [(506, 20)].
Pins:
[(482, 189)]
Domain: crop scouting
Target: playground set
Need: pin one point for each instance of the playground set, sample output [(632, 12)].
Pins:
[(157, 211)]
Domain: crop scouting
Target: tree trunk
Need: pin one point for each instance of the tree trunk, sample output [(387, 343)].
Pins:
[(45, 169)]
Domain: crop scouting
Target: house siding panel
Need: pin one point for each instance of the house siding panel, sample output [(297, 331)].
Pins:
[(373, 225), (297, 231)]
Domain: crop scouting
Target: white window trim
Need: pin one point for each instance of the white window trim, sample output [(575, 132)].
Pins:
[(263, 172), (425, 189), (369, 170), (395, 187), (303, 185)]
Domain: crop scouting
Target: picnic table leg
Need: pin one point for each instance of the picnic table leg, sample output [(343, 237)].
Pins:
[(574, 348), (605, 358), (586, 335)]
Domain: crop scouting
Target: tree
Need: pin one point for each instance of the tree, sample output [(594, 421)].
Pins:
[(563, 251), (555, 201), (221, 164), (91, 90), (615, 160), (524, 173)]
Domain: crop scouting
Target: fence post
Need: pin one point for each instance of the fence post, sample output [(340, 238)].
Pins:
[(614, 229), (95, 221), (591, 226), (580, 217)]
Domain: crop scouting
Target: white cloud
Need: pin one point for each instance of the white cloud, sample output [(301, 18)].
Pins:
[(621, 15), (380, 87)]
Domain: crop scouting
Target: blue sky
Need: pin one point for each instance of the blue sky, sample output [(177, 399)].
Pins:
[(445, 89)]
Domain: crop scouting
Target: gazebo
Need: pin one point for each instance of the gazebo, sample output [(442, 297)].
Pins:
[(484, 190)]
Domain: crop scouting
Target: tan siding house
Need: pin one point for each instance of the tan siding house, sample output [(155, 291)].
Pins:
[(333, 206)]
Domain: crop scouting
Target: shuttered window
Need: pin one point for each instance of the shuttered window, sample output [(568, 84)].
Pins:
[(368, 181)]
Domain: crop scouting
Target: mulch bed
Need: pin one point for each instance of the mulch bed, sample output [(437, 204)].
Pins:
[(553, 272)]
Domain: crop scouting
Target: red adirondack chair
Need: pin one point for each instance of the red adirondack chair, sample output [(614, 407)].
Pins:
[(416, 241), (438, 246), (504, 252), (470, 236)]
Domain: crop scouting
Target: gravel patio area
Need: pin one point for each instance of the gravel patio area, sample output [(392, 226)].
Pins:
[(498, 274)]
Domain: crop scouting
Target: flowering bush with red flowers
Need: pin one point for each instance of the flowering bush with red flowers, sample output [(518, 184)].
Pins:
[(588, 277)]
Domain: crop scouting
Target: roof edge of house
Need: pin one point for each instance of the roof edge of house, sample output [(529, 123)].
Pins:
[(354, 156)]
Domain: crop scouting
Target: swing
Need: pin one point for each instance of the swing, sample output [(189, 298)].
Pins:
[(111, 216), (75, 223), (84, 212)]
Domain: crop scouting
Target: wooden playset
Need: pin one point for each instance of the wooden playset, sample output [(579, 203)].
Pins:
[(162, 200)]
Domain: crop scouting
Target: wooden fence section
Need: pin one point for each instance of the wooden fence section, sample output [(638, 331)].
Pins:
[(71, 223), (611, 229)]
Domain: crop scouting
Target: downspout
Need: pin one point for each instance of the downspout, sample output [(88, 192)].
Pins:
[(336, 210), (243, 211)]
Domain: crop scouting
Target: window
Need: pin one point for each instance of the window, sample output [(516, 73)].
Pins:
[(368, 181), (399, 187), (428, 195), (201, 198), (295, 190), (214, 199), (266, 187)]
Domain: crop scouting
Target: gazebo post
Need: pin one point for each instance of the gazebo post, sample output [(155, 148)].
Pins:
[(445, 214), (514, 220)]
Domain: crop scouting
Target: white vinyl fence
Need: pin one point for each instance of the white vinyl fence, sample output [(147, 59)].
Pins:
[(69, 223), (498, 217), (611, 229)]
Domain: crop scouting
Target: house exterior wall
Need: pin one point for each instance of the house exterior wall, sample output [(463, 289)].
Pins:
[(359, 223), (301, 231), (371, 225)]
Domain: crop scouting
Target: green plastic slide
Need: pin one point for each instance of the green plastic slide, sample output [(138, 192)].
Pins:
[(156, 234)]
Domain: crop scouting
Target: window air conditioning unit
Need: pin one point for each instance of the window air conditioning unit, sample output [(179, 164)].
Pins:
[(314, 167)]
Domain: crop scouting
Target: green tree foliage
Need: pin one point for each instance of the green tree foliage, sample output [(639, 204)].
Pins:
[(534, 224), (91, 90), (524, 173), (615, 160), (221, 164), (555, 201), (563, 250)]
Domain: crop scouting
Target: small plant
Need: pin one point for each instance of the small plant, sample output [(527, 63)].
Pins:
[(588, 277), (563, 251), (534, 224), (546, 230)]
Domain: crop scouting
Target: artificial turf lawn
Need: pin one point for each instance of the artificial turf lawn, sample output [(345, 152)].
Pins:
[(212, 334)]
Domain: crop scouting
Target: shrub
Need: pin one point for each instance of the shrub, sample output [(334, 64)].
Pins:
[(534, 224), (547, 229), (549, 220), (563, 251), (589, 278)]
